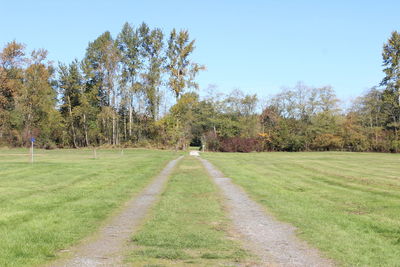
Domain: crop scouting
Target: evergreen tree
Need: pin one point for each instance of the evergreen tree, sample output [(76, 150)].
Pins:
[(391, 63)]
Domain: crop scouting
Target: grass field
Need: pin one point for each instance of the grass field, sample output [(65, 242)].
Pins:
[(64, 196), (346, 204), (188, 226)]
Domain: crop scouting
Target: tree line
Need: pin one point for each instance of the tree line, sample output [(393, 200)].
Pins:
[(139, 89), (111, 97)]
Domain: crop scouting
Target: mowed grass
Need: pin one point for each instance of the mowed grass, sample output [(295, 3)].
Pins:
[(64, 196), (188, 226), (346, 204)]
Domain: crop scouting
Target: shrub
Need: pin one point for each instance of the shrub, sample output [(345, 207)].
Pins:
[(357, 142), (211, 141), (327, 142), (239, 144)]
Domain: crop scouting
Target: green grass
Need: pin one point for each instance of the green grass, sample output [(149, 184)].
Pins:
[(64, 196), (188, 225), (346, 204)]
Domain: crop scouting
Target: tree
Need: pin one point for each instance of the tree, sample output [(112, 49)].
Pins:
[(369, 117), (391, 63), (240, 108), (101, 67), (70, 84), (75, 104), (37, 100), (129, 44), (183, 113), (11, 79), (391, 94), (181, 69), (152, 43)]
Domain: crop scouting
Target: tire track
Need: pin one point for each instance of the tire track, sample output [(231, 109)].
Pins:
[(108, 246), (274, 242)]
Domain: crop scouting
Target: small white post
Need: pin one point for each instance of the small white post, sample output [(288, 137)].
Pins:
[(31, 150), (94, 153)]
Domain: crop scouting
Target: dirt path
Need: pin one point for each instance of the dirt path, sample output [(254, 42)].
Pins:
[(274, 242), (107, 248)]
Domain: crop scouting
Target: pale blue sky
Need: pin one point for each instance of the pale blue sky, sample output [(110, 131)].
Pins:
[(257, 46)]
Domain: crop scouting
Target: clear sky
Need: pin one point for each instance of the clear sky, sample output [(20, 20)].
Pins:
[(257, 46)]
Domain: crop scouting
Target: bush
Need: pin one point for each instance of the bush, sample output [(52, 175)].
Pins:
[(327, 142), (211, 141), (239, 144), (49, 146), (394, 146), (357, 142)]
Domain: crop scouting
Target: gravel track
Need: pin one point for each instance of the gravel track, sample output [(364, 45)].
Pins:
[(274, 242), (108, 246)]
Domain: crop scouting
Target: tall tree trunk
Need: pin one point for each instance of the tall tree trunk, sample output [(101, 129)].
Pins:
[(157, 109), (130, 120), (106, 130), (72, 123), (113, 129), (117, 132), (124, 127), (139, 137), (85, 129), (395, 127)]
